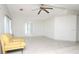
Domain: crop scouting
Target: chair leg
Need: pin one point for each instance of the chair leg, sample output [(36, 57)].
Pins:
[(22, 51)]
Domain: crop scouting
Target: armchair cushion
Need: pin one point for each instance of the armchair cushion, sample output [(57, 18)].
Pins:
[(14, 45), (17, 40)]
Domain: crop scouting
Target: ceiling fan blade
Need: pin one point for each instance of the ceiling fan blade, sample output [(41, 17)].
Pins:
[(45, 10), (39, 12), (48, 8), (41, 4)]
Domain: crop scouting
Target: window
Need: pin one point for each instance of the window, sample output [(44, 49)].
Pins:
[(28, 28), (7, 25)]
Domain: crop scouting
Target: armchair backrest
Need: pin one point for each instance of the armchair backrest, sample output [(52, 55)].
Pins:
[(5, 38)]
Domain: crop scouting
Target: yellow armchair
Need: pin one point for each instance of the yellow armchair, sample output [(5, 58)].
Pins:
[(8, 43)]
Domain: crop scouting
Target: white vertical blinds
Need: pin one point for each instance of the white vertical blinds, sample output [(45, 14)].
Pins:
[(28, 28), (7, 25)]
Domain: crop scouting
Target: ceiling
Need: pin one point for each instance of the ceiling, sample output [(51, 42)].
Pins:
[(68, 6), (30, 12)]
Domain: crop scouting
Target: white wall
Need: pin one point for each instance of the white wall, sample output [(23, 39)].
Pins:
[(65, 28), (61, 27), (18, 26), (49, 27), (58, 28), (37, 28)]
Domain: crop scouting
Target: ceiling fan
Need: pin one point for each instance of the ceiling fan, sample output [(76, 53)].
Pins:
[(44, 7)]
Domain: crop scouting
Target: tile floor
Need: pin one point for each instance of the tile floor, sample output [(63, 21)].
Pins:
[(41, 45)]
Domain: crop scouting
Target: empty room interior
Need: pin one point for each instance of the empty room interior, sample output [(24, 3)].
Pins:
[(39, 28)]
